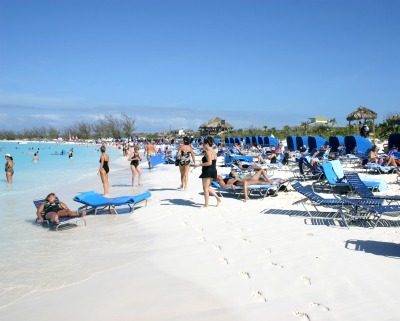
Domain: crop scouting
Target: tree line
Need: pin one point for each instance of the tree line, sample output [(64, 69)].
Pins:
[(103, 127)]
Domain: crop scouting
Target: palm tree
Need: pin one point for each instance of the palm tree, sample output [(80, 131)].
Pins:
[(333, 122)]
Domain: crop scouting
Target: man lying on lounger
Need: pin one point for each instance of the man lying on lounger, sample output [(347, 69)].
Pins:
[(54, 209), (259, 178)]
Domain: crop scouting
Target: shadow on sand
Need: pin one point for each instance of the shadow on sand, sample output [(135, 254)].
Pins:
[(387, 249)]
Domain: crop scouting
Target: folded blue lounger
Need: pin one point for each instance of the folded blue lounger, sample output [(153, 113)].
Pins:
[(93, 201)]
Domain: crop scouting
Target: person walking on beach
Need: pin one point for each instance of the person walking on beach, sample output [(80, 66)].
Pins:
[(184, 153), (209, 170), (104, 169), (9, 168), (149, 151), (135, 165)]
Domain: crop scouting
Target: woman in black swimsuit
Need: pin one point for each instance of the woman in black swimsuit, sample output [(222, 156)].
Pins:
[(209, 170), (135, 165), (184, 153), (104, 169)]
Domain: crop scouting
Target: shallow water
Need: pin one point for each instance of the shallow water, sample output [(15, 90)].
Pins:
[(35, 258)]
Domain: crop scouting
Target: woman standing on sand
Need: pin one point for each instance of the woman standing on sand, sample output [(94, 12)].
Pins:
[(135, 165), (184, 153), (9, 168), (208, 170), (104, 169)]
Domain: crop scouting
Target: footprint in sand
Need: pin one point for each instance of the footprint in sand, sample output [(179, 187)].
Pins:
[(246, 240), (310, 234), (227, 222), (202, 239), (277, 265), (303, 316), (258, 296), (245, 275), (319, 306), (267, 250), (185, 224), (306, 280), (200, 230), (217, 248), (223, 260)]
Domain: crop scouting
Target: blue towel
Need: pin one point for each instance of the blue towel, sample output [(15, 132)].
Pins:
[(338, 169)]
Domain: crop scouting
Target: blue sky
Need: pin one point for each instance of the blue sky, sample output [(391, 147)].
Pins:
[(179, 63)]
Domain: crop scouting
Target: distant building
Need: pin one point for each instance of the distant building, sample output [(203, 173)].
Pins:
[(318, 120), (214, 126), (181, 132)]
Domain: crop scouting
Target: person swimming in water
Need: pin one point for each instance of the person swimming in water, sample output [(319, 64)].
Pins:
[(104, 169)]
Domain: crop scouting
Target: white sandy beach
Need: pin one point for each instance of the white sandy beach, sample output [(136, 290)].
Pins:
[(233, 262)]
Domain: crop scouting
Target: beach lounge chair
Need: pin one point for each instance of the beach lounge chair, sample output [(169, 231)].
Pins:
[(261, 190), (364, 211), (316, 200), (63, 221), (334, 177), (93, 201), (379, 168), (306, 170), (358, 186)]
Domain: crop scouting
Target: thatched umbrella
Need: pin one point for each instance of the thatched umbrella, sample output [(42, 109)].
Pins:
[(214, 126), (362, 113)]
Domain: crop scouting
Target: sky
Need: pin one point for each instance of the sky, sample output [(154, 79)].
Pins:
[(178, 63)]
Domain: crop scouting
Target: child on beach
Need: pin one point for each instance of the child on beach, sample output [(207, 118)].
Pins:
[(135, 165)]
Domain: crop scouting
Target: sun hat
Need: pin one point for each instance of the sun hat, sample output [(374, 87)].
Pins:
[(8, 155)]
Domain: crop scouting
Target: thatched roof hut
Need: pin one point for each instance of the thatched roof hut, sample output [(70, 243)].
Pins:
[(214, 126), (362, 113)]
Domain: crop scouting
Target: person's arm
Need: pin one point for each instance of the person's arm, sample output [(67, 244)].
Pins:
[(192, 154), (39, 212), (64, 206), (101, 163), (178, 153)]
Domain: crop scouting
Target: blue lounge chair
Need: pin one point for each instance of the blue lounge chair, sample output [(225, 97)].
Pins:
[(316, 200), (363, 211), (363, 191), (93, 201), (63, 221), (307, 171), (379, 168), (334, 177), (261, 190)]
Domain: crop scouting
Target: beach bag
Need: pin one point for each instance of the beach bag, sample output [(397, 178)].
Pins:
[(176, 162)]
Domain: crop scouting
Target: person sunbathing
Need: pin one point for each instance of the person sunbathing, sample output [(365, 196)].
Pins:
[(54, 209), (259, 178), (374, 157), (247, 167)]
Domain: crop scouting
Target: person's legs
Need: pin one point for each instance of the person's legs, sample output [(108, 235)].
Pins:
[(9, 177), (107, 184), (52, 216), (69, 213), (204, 182), (212, 191), (139, 171), (182, 171), (186, 178), (390, 161), (133, 170)]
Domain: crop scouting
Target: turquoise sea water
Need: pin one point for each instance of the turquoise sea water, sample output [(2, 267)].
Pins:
[(50, 169), (32, 257)]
